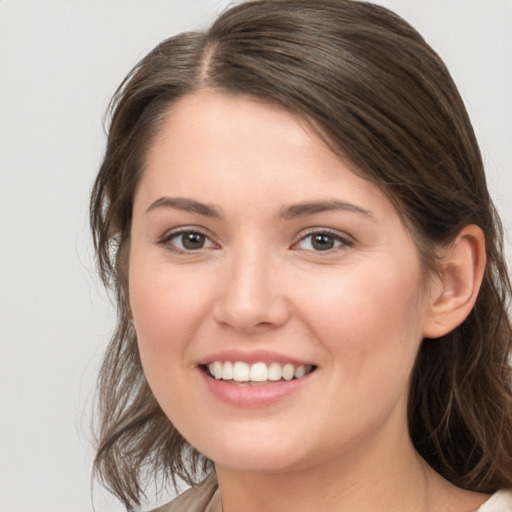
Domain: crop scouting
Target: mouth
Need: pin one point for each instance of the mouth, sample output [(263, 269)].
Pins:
[(240, 372)]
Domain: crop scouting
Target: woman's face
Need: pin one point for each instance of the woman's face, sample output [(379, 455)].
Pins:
[(257, 255)]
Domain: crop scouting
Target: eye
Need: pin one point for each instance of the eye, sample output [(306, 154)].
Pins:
[(322, 241), (189, 240)]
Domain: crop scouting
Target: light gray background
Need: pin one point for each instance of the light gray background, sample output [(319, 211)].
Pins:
[(60, 61)]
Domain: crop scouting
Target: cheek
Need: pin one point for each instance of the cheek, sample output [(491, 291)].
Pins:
[(165, 309), (370, 327), (165, 313), (370, 322)]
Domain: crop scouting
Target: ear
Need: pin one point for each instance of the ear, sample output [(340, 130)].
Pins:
[(455, 291)]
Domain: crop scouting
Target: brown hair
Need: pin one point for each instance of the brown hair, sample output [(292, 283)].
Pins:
[(383, 100)]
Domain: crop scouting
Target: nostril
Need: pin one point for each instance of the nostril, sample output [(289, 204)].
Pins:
[(252, 320)]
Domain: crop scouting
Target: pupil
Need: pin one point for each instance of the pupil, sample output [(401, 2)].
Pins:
[(193, 240), (323, 242)]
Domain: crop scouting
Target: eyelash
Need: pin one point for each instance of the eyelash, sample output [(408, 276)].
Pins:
[(166, 240), (343, 241)]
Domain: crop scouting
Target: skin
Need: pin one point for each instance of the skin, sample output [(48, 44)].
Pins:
[(357, 311)]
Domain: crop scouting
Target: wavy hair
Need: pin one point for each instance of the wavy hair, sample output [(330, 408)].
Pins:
[(382, 100)]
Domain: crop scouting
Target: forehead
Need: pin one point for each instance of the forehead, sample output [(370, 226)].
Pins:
[(208, 136), (214, 121)]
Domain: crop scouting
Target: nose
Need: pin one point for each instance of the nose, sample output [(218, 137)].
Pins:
[(251, 298)]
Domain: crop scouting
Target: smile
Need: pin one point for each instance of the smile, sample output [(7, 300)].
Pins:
[(240, 371)]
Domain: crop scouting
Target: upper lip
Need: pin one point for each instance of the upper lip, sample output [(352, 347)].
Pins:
[(251, 357)]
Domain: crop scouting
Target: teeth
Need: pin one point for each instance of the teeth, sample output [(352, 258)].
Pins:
[(257, 372), (241, 372), (217, 370), (227, 370), (300, 371), (288, 371), (274, 372)]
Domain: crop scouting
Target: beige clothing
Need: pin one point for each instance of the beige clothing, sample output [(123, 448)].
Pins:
[(203, 498), (498, 502), (206, 498)]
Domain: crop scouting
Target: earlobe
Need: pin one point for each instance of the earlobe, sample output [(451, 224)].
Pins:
[(456, 289)]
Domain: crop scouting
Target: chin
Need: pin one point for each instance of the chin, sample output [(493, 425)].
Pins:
[(257, 454), (255, 462)]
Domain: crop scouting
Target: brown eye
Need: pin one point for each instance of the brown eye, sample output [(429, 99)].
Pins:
[(189, 241), (323, 241), (193, 241)]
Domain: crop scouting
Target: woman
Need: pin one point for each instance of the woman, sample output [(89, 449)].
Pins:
[(312, 292)]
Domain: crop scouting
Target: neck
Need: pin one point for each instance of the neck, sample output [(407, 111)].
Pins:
[(381, 476)]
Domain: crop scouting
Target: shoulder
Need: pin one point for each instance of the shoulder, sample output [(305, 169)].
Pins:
[(500, 501), (195, 499)]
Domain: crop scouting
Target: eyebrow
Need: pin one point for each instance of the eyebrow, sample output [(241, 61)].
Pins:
[(185, 204), (313, 207), (287, 212)]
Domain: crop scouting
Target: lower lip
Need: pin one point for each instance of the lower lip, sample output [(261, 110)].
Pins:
[(247, 395)]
